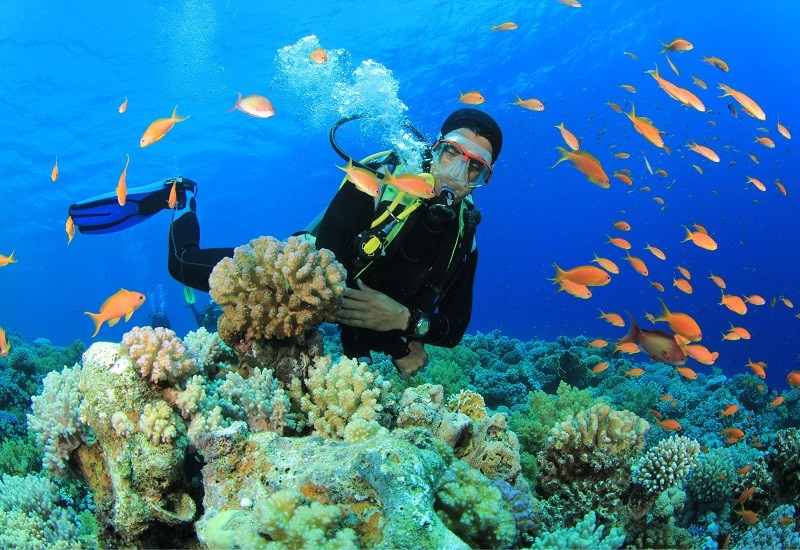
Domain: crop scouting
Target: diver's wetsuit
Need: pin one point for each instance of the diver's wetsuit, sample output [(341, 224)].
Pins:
[(187, 262), (404, 272)]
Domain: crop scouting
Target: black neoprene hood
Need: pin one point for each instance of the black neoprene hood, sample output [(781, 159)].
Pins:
[(473, 118)]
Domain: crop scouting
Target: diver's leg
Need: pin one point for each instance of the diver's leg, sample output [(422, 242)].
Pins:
[(187, 262)]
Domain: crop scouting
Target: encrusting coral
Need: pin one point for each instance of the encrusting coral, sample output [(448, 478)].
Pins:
[(272, 289)]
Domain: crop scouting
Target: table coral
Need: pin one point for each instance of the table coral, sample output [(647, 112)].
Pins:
[(276, 289)]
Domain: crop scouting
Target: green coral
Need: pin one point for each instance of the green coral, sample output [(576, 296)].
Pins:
[(585, 534), (20, 456), (544, 411)]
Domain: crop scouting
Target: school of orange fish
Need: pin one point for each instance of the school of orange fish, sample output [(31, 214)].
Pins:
[(668, 347)]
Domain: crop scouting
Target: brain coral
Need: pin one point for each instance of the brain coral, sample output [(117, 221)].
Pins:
[(275, 289)]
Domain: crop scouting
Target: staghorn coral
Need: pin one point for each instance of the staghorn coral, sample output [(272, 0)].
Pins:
[(56, 418), (339, 393), (159, 355), (587, 459), (273, 289)]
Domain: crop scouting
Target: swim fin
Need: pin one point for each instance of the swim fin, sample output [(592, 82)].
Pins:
[(103, 214), (188, 295)]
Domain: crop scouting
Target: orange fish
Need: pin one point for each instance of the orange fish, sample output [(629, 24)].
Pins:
[(471, 98), (628, 88), (571, 3), (587, 164), (54, 171), (614, 106), (703, 240), (4, 346), (660, 345), (613, 318), (786, 520), (765, 141), (318, 56), (254, 105), (729, 410), (676, 92), (122, 188), (507, 26), (683, 285), (627, 347), (755, 299), (741, 332), (757, 183), (780, 187), (159, 128), (793, 378), (362, 178), (645, 127), (681, 323), (124, 106), (5, 260), (748, 516), (719, 281), (606, 264), (634, 372), (749, 106), (70, 228), (619, 242), (637, 264), (758, 368), (671, 425), (658, 286), (665, 398), (733, 303), (733, 432), (743, 470), (782, 130), (787, 302), (531, 104), (777, 401), (700, 82), (173, 196), (657, 252), (121, 304), (655, 413), (685, 272), (414, 185), (717, 62), (575, 289), (686, 372), (569, 138), (598, 368), (597, 343), (624, 178), (701, 354), (677, 45), (745, 494), (622, 225), (622, 155), (705, 151), (588, 275)]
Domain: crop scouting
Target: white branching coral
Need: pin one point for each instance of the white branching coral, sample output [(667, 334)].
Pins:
[(666, 464), (159, 355), (340, 393), (258, 400)]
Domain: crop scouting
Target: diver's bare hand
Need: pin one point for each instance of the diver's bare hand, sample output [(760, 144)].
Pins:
[(411, 363), (367, 308)]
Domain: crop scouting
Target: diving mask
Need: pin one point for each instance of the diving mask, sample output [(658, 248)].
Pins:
[(462, 160)]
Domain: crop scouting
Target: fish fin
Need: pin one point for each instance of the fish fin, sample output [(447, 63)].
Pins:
[(114, 321), (232, 109), (96, 320), (128, 315), (564, 156)]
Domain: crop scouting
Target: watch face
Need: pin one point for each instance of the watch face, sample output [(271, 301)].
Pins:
[(423, 326)]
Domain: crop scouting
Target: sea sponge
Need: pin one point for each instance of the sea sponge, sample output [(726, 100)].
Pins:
[(276, 289), (159, 355)]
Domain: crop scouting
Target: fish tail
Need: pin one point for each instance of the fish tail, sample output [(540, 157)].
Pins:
[(518, 101), (633, 331), (688, 234), (176, 117), (725, 89), (632, 114), (665, 312), (564, 156), (232, 109), (98, 322), (559, 274)]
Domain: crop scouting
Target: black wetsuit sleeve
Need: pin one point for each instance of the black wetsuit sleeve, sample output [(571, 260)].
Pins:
[(349, 213), (187, 262), (452, 317)]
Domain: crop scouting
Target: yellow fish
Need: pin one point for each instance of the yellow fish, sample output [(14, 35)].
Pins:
[(5, 260), (121, 304), (159, 128)]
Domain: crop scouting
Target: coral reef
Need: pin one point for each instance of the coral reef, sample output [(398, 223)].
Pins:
[(159, 355), (272, 289), (585, 534)]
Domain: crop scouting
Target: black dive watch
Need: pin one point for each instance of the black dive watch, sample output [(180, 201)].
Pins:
[(418, 323)]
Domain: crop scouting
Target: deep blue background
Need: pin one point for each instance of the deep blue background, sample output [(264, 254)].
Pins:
[(64, 70)]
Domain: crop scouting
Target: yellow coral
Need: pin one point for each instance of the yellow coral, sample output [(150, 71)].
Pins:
[(275, 289), (469, 403)]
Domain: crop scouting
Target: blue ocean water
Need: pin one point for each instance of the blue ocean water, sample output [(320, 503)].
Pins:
[(66, 69)]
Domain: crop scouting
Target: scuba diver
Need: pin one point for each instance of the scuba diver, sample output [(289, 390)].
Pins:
[(207, 318), (410, 262)]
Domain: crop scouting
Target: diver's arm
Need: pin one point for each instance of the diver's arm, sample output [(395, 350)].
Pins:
[(349, 213), (187, 262), (450, 321)]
